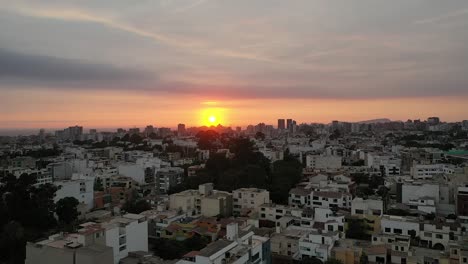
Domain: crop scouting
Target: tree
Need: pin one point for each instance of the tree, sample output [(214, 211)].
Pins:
[(259, 136), (363, 259), (357, 229), (207, 139), (12, 243), (135, 139), (430, 216), (67, 211), (98, 185), (26, 214), (333, 261), (136, 206), (398, 212), (168, 249), (310, 260)]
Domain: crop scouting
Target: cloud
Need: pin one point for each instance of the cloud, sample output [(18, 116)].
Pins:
[(443, 17), (21, 68)]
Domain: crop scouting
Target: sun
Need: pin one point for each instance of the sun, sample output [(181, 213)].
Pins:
[(212, 119), (212, 116)]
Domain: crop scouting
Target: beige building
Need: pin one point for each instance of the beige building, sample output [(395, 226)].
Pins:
[(286, 243), (249, 200), (204, 201)]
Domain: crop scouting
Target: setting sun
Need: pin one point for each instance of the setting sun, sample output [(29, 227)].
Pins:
[(212, 119), (212, 116)]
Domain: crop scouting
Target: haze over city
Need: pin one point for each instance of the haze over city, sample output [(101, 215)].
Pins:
[(126, 63)]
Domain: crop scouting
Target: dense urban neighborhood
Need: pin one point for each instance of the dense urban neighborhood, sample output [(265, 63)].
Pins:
[(378, 191)]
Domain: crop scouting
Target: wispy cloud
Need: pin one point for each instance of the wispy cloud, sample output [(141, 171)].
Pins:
[(443, 17), (189, 45), (192, 5)]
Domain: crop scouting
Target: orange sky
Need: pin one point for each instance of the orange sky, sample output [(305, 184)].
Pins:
[(56, 109)]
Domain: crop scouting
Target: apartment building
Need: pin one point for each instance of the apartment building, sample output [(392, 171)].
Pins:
[(204, 201), (168, 177), (428, 171), (81, 188), (400, 225), (323, 162), (286, 243), (318, 244), (70, 249), (239, 247), (98, 243), (329, 199), (249, 200)]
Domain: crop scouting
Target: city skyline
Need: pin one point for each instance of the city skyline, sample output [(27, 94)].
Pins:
[(126, 63)]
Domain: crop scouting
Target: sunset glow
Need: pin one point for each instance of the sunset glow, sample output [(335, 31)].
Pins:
[(212, 116), (236, 64)]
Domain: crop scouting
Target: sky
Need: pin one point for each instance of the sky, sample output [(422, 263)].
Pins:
[(123, 63)]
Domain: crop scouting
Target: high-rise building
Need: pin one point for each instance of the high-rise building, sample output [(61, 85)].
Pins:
[(433, 120), (134, 130), (281, 124), (149, 130), (289, 123), (181, 129)]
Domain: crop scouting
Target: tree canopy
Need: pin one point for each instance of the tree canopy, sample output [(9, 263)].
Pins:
[(26, 213), (67, 211)]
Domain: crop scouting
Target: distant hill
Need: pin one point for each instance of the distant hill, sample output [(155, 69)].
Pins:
[(374, 121)]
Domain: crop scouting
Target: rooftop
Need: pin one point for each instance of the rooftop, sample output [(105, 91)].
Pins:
[(214, 247)]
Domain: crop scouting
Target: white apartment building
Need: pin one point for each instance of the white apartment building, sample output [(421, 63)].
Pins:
[(239, 247), (399, 225), (125, 234), (323, 162), (299, 197), (102, 243), (440, 233), (413, 191), (428, 171), (81, 188), (329, 199), (274, 212), (359, 206), (318, 244), (423, 204), (249, 199), (204, 201)]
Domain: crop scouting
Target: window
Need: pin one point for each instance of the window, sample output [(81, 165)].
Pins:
[(397, 231), (388, 230), (122, 248), (439, 236), (427, 234), (358, 211), (330, 228)]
